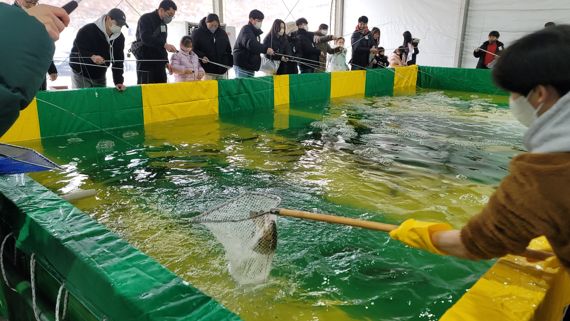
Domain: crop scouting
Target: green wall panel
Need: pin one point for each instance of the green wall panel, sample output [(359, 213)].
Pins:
[(245, 95), (309, 89), (460, 79), (76, 111), (379, 82)]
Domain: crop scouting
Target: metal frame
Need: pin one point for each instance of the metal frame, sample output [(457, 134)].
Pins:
[(460, 46), (338, 18), (218, 6)]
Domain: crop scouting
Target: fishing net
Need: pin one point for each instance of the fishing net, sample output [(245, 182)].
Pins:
[(248, 232)]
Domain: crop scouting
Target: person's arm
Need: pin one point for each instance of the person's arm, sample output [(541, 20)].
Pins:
[(52, 69), (506, 225), (478, 53), (252, 45), (82, 42), (228, 53), (323, 39), (118, 58), (25, 66), (176, 65), (196, 44), (148, 33)]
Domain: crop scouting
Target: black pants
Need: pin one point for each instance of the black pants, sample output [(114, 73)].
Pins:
[(150, 72)]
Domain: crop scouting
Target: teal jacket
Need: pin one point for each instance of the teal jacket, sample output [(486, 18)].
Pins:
[(27, 52)]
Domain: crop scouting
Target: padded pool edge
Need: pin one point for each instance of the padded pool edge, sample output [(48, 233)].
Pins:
[(112, 279)]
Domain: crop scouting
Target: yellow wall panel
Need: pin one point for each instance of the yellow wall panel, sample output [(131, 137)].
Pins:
[(348, 83), (165, 102), (515, 290), (26, 127), (406, 77), (281, 90)]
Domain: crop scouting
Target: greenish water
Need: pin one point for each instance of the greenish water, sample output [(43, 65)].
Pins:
[(433, 156)]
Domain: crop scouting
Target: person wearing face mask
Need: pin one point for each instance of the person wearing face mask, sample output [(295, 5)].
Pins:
[(306, 48), (23, 67), (489, 51), (322, 39), (52, 71), (212, 44), (379, 60), (277, 40), (337, 60), (532, 200), (411, 50), (397, 58), (97, 46), (289, 67), (362, 45), (150, 47), (248, 48), (185, 64)]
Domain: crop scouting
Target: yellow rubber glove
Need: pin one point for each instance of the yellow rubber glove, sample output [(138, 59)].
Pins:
[(418, 234)]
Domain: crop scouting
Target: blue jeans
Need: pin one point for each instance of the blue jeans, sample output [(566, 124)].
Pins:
[(243, 73)]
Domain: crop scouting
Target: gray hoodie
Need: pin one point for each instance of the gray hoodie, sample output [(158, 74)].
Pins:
[(550, 133)]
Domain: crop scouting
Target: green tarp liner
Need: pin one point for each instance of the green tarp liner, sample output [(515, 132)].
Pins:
[(460, 79), (245, 95), (88, 110), (309, 89), (379, 82), (111, 278)]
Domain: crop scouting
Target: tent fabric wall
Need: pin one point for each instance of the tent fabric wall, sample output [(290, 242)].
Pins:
[(164, 102), (436, 23), (439, 24), (512, 18)]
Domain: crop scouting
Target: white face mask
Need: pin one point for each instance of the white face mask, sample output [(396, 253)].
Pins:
[(115, 29), (523, 111), (324, 32), (258, 25), (281, 32)]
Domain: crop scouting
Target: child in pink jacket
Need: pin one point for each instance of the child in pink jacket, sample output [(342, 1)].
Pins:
[(185, 63)]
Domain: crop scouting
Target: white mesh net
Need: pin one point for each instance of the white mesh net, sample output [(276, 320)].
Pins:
[(248, 234)]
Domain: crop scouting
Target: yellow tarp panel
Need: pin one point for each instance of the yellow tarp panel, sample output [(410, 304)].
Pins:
[(27, 127), (348, 83), (164, 102), (406, 77), (516, 290), (281, 117), (281, 90)]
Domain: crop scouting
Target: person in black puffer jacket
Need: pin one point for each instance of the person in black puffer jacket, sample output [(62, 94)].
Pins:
[(211, 43), (362, 45), (277, 40), (248, 48), (95, 47), (306, 48)]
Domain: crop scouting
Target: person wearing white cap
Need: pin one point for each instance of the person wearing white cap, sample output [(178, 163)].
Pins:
[(97, 46)]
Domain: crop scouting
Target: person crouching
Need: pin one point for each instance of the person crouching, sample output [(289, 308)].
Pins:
[(185, 63)]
